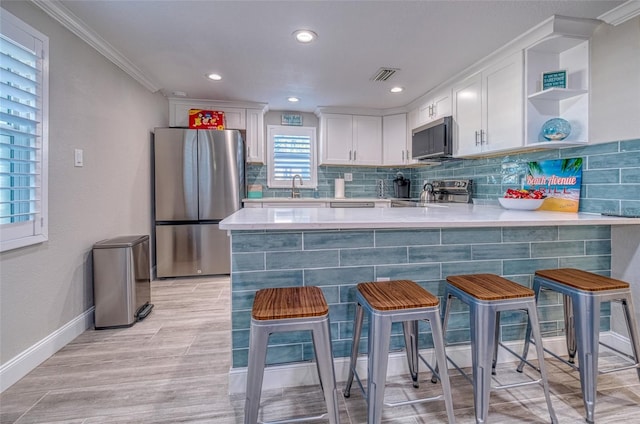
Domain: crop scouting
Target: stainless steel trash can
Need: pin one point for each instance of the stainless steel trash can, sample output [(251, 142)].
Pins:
[(121, 281)]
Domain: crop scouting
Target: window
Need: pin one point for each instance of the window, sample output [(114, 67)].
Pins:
[(23, 133), (292, 151)]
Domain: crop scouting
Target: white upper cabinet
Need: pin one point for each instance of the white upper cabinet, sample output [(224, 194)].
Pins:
[(255, 143), (350, 140), (488, 109), (437, 106), (396, 144)]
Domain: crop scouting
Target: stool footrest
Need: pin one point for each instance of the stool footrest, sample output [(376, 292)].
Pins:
[(296, 420), (413, 401), (512, 385)]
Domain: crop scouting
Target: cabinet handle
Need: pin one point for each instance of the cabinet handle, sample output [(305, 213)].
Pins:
[(248, 151), (434, 110), (354, 155), (349, 154), (408, 157), (483, 138), (477, 138), (403, 156)]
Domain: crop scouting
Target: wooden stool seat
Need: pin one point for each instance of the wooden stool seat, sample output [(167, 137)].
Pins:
[(395, 295), (489, 287), (289, 302), (582, 280)]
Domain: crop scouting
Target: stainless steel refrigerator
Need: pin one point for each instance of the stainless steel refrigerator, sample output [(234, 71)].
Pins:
[(199, 180)]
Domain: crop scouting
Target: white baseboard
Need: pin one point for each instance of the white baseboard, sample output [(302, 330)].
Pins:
[(25, 362), (304, 374)]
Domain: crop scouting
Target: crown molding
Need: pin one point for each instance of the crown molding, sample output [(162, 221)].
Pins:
[(622, 13), (74, 24)]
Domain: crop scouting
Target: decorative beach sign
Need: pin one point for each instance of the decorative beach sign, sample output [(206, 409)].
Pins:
[(559, 180)]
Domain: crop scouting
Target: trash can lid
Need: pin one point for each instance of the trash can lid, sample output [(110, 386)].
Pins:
[(120, 241)]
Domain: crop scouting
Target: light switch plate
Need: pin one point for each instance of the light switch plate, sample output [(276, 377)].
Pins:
[(78, 159), (348, 176)]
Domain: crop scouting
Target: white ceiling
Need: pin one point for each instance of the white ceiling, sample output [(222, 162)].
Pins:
[(250, 43)]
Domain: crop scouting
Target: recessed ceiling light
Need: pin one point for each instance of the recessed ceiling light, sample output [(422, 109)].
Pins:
[(305, 35), (179, 94), (396, 89), (293, 99), (214, 77)]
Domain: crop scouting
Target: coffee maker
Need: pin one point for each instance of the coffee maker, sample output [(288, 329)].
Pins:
[(401, 187)]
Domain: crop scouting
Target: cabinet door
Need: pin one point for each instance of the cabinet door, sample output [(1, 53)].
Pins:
[(442, 104), (503, 104), (254, 144), (467, 115), (336, 141), (394, 140), (367, 140)]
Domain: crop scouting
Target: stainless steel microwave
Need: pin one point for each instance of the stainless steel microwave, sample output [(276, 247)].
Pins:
[(433, 140)]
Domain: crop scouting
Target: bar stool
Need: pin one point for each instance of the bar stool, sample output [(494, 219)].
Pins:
[(583, 292), (385, 303), (487, 295), (290, 309)]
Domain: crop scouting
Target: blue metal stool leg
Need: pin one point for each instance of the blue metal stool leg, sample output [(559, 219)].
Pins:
[(410, 330), (586, 311), (324, 357), (483, 323), (355, 345), (255, 373), (632, 327), (379, 338)]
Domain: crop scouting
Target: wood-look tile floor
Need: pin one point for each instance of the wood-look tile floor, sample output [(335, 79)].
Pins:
[(173, 368)]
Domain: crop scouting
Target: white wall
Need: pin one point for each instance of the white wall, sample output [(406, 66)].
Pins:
[(615, 82), (96, 107)]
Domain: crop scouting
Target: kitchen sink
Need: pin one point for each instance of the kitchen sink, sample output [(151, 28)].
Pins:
[(412, 203)]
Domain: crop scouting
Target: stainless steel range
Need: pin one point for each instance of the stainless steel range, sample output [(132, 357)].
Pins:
[(444, 191), (452, 191)]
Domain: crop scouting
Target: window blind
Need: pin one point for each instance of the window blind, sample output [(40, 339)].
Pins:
[(291, 156), (22, 161)]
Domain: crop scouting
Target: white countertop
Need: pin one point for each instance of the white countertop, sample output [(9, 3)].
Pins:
[(438, 216), (313, 199)]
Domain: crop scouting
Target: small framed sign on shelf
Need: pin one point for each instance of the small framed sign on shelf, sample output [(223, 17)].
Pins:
[(554, 79), (292, 119)]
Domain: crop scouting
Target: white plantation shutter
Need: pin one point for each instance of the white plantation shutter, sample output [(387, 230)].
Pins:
[(291, 152), (23, 141)]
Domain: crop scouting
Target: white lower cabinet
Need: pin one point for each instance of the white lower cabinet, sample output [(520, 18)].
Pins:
[(350, 140), (488, 109)]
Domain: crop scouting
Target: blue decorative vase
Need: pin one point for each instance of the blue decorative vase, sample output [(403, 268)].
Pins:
[(556, 129)]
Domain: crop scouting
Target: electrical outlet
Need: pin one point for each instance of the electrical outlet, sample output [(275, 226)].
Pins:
[(383, 279), (348, 176)]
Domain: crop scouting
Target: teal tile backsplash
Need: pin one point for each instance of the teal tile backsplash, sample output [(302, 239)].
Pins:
[(611, 176)]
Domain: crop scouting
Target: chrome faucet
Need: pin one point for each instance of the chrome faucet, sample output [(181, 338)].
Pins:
[(295, 193)]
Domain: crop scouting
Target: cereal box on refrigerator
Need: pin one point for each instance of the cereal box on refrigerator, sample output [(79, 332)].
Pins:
[(206, 119)]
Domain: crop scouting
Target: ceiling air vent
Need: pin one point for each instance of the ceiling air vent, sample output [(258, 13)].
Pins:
[(383, 74)]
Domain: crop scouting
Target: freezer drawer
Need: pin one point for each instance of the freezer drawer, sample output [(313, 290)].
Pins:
[(194, 249)]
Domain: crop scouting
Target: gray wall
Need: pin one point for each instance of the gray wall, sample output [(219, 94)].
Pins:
[(93, 106)]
